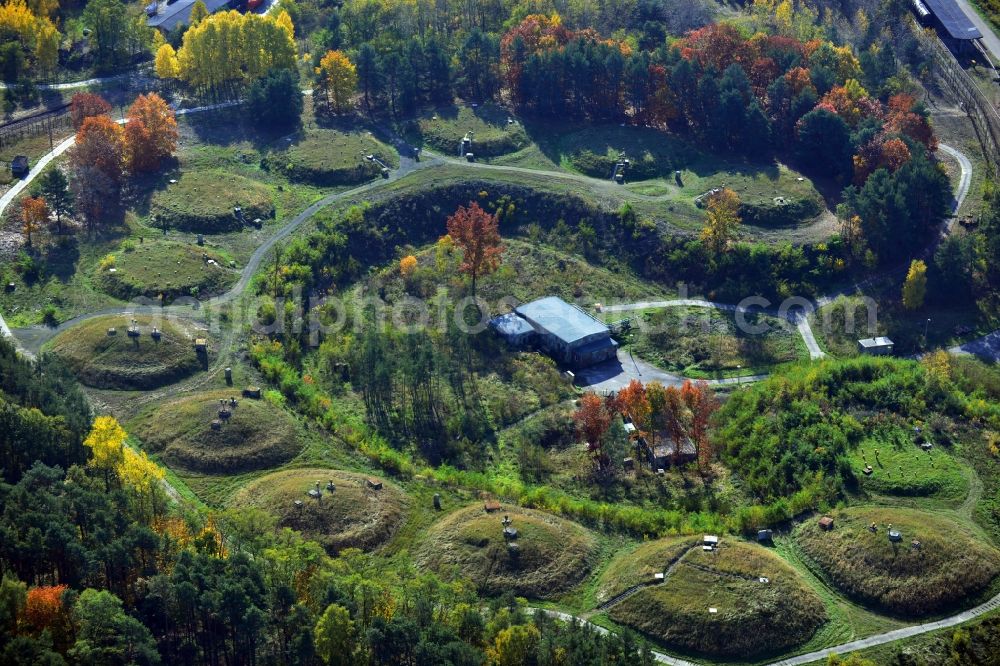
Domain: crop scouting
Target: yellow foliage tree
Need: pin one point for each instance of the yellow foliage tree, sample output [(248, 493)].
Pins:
[(166, 62), (31, 27), (783, 17), (514, 645), (106, 442), (230, 46), (338, 77), (722, 220), (198, 13), (915, 287), (407, 265)]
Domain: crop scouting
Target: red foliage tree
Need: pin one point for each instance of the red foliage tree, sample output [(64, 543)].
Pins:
[(717, 45), (701, 404), (87, 105), (150, 133), (535, 33), (592, 421), (477, 233), (902, 119)]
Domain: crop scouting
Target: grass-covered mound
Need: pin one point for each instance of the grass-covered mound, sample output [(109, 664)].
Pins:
[(328, 157), (164, 267), (832, 413), (949, 568), (203, 201), (354, 515), (772, 195), (651, 153), (697, 341), (553, 555), (120, 362), (639, 566), (751, 618), (444, 129), (258, 435)]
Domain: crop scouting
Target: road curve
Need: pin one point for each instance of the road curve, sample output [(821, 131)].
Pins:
[(794, 317)]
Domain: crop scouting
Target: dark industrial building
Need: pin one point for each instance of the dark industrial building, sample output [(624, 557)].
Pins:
[(562, 330), (953, 26)]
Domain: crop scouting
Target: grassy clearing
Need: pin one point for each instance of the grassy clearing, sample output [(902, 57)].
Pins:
[(325, 157), (353, 515), (639, 565), (443, 130), (843, 322), (950, 568), (119, 362), (554, 554), (164, 267), (772, 194), (752, 617), (704, 342), (257, 436), (203, 200)]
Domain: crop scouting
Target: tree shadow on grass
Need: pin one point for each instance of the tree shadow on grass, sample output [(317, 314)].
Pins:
[(61, 258)]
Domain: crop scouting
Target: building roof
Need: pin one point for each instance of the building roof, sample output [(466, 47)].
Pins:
[(510, 325), (875, 342), (953, 19), (170, 16), (557, 317), (597, 345)]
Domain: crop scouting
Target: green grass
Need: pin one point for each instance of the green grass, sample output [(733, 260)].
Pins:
[(120, 362), (638, 566), (352, 516), (203, 200), (752, 617), (555, 554), (257, 436), (903, 469), (950, 569), (443, 129), (705, 342), (528, 271), (325, 157), (164, 267)]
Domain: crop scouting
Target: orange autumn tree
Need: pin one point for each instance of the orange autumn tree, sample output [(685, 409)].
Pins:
[(478, 234), (34, 213), (100, 144), (97, 164), (150, 133), (44, 610), (592, 421)]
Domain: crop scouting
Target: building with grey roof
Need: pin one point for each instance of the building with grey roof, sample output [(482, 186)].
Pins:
[(564, 331), (880, 346), (170, 15), (954, 27)]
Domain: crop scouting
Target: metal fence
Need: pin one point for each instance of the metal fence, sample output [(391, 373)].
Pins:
[(50, 121), (985, 118)]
